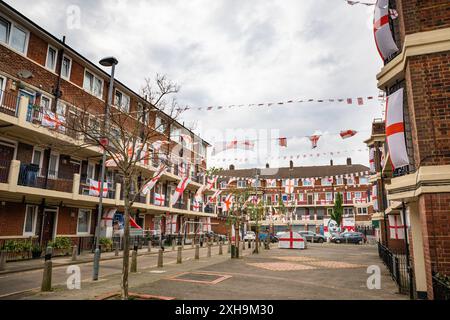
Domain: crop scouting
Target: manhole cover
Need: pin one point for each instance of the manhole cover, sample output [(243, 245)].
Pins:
[(199, 277)]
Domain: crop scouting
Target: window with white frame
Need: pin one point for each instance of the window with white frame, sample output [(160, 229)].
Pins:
[(29, 226), (349, 196), (329, 196), (362, 211), (307, 183), (2, 88), (339, 181), (350, 181), (358, 195), (329, 211), (37, 159), (61, 109), (316, 196), (53, 166), (223, 185), (93, 84), (363, 180), (66, 67), (13, 35), (52, 53), (301, 197), (46, 104), (90, 171), (348, 212), (142, 114), (242, 184), (84, 221), (122, 101), (327, 181)]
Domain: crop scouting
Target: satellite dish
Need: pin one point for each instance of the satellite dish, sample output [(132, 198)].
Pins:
[(25, 74)]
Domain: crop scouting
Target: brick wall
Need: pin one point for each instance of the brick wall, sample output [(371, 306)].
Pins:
[(24, 153), (435, 221), (428, 84), (12, 217)]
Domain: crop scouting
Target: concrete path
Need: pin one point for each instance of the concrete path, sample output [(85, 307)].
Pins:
[(323, 271)]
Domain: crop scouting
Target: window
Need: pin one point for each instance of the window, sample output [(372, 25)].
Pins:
[(142, 114), (90, 171), (327, 181), (349, 196), (5, 29), (2, 88), (13, 35), (66, 67), (223, 185), (51, 58), (46, 103), (357, 195), (37, 159), (53, 166), (29, 226), (329, 196), (61, 109), (122, 101), (350, 181), (348, 212), (363, 180), (93, 84), (307, 183), (84, 221), (19, 39), (159, 125), (362, 211), (329, 211), (340, 181), (242, 184), (301, 197)]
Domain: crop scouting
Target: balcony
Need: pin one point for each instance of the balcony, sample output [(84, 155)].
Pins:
[(84, 189), (31, 175), (4, 170), (8, 103)]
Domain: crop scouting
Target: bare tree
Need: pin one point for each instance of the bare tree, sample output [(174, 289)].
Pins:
[(127, 140)]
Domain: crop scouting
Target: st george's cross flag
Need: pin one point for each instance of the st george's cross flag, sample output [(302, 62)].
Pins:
[(211, 183), (396, 227), (226, 206), (375, 197), (214, 197), (372, 159), (159, 200), (345, 134), (314, 140), (179, 190), (383, 35), (289, 188), (156, 176), (94, 188), (52, 120), (395, 130)]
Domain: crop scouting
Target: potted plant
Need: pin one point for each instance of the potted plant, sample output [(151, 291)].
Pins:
[(61, 246), (36, 251), (106, 244)]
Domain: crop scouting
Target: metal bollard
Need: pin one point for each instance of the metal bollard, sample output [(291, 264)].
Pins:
[(160, 258), (47, 275), (197, 252), (220, 249), (229, 247), (116, 249), (179, 255), (2, 260), (149, 247), (208, 255), (74, 253), (134, 261)]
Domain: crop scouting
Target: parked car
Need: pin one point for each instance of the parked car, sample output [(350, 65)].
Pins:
[(215, 236), (312, 236), (349, 237), (263, 237), (250, 236)]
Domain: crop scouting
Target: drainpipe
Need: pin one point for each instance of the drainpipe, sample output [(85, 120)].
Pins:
[(408, 266), (57, 91)]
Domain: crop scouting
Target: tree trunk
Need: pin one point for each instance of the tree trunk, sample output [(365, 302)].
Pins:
[(126, 240)]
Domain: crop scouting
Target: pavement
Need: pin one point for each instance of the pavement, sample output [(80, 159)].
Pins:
[(323, 271)]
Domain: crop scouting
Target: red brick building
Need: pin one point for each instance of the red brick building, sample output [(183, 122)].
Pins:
[(44, 192), (313, 197), (421, 188)]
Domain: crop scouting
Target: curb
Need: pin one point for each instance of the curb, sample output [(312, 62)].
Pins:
[(71, 263)]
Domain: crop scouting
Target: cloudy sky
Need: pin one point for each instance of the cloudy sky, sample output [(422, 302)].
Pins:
[(230, 52)]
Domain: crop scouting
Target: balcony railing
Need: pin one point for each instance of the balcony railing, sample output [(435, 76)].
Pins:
[(8, 103), (84, 189), (441, 287), (31, 175), (4, 170)]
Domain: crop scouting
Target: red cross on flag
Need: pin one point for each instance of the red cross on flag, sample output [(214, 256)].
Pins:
[(345, 134), (211, 183), (196, 205), (383, 35), (171, 224), (395, 130), (289, 188), (156, 176), (291, 240), (180, 189), (227, 203), (314, 140), (396, 227), (52, 120), (94, 188), (159, 200), (375, 197), (213, 199), (206, 224), (372, 159)]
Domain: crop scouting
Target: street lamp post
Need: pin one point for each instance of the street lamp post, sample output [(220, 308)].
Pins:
[(106, 62)]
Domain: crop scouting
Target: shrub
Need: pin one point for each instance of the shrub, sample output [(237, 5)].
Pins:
[(60, 243), (17, 246), (106, 242)]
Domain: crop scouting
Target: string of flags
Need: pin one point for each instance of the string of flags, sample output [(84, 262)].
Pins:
[(293, 157), (360, 101)]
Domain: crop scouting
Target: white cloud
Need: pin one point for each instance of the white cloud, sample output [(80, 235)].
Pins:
[(226, 52)]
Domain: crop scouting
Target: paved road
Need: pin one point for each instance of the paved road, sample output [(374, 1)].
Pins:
[(19, 282)]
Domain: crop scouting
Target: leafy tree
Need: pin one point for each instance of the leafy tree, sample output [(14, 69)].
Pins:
[(338, 210)]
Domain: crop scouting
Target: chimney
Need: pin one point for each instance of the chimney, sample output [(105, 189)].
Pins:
[(267, 166), (331, 163), (349, 161), (231, 167)]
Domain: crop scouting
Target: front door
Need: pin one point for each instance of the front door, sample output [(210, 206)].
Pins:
[(48, 228), (6, 156), (31, 97)]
